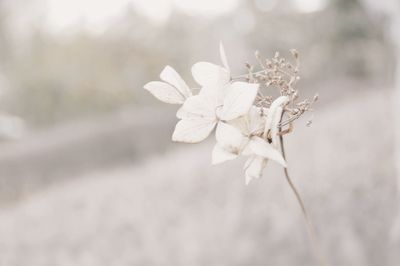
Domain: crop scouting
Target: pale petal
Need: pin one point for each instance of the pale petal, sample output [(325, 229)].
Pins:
[(273, 118), (193, 131), (275, 127), (220, 154), (242, 124), (246, 150), (164, 92), (222, 53), (214, 93), (209, 75), (172, 77), (197, 107), (238, 100), (229, 137), (256, 121), (253, 122), (254, 167), (264, 149)]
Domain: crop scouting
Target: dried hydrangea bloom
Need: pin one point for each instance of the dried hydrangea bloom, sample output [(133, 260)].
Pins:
[(247, 122)]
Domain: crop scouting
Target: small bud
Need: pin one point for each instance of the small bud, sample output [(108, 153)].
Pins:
[(294, 53), (248, 66), (316, 97)]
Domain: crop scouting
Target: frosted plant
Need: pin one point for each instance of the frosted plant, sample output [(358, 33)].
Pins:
[(250, 113)]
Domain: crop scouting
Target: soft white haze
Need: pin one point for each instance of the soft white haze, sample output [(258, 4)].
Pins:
[(94, 15), (308, 6)]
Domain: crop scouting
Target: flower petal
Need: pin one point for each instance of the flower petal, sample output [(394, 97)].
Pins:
[(242, 124), (209, 75), (193, 131), (262, 148), (275, 126), (164, 92), (251, 124), (220, 154), (238, 100), (215, 94), (229, 137), (274, 117), (255, 119), (254, 167), (229, 143), (172, 77), (197, 107), (222, 53)]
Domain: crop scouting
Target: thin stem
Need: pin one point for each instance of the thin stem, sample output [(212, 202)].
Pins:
[(264, 71), (247, 75), (290, 120), (310, 228)]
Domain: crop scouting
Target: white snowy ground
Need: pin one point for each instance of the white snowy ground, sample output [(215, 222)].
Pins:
[(176, 209)]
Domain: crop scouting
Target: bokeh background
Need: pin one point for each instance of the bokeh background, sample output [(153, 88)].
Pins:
[(88, 173)]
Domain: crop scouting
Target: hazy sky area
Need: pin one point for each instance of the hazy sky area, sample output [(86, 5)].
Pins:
[(96, 14), (62, 15)]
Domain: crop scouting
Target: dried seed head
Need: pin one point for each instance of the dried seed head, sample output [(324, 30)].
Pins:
[(278, 73), (295, 95)]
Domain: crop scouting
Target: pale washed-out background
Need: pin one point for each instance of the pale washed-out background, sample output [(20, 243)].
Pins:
[(88, 173)]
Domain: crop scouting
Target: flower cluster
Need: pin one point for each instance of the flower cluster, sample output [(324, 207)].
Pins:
[(247, 123)]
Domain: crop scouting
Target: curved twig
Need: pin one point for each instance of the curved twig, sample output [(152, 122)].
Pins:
[(310, 228)]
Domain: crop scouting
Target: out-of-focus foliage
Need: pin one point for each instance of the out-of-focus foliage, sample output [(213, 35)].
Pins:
[(53, 77)]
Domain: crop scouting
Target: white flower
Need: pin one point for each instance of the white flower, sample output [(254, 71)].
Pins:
[(200, 113), (173, 90), (232, 138), (241, 138), (222, 54), (256, 163), (218, 100), (242, 129)]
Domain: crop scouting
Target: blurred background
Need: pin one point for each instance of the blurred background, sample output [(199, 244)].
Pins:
[(88, 173)]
